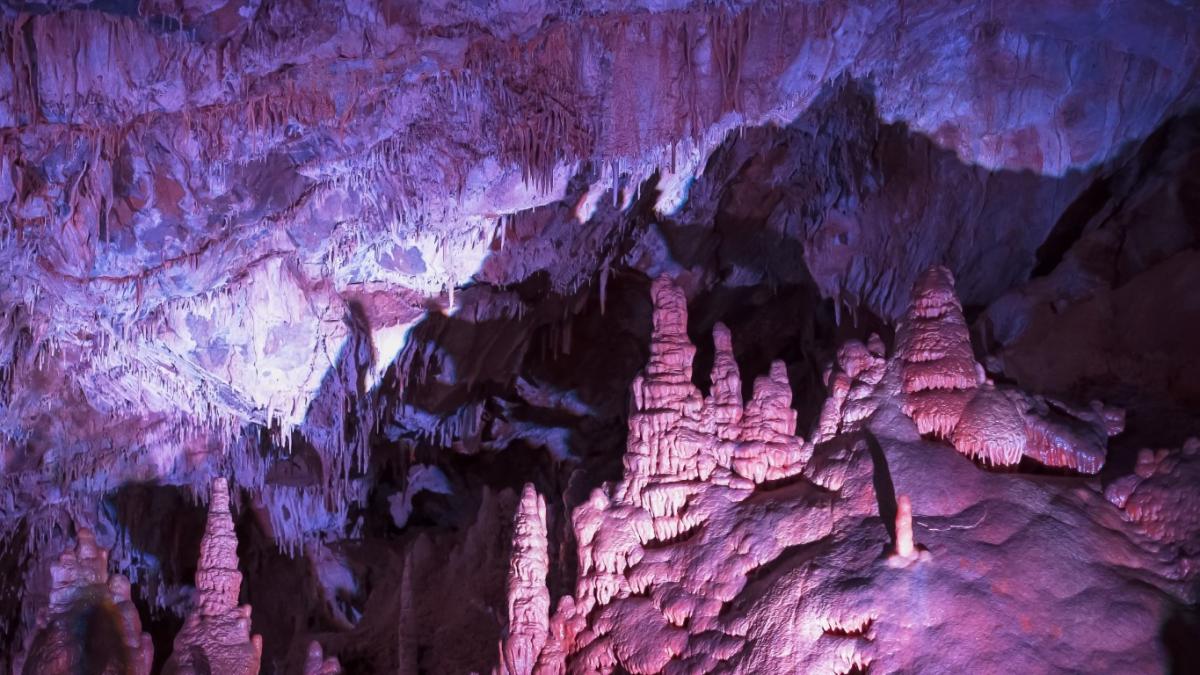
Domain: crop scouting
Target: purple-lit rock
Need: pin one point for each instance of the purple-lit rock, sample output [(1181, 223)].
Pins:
[(375, 336)]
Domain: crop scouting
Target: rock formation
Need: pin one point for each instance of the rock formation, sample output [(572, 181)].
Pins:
[(905, 551), (933, 341), (649, 556), (1158, 497), (947, 394), (383, 264), (904, 534), (851, 388), (696, 562), (317, 664), (216, 638), (528, 597), (89, 622)]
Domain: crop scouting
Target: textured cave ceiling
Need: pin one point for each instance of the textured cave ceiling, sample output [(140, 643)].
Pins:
[(380, 264)]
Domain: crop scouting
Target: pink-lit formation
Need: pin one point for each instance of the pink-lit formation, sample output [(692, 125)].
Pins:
[(216, 634), (89, 622), (948, 395), (647, 563), (528, 598), (715, 493), (1156, 496), (732, 544)]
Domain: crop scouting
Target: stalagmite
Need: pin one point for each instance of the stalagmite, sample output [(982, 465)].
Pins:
[(663, 395), (528, 597), (945, 393), (933, 346), (769, 412), (932, 339), (904, 533), (851, 384), (215, 637), (315, 662), (89, 623), (905, 551), (724, 403)]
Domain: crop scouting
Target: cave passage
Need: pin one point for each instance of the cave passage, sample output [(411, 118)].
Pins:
[(612, 337)]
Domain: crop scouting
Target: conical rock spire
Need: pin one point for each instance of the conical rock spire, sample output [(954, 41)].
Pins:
[(528, 597), (216, 635), (946, 394)]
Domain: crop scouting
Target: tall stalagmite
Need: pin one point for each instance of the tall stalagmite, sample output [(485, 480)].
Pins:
[(528, 597), (938, 369), (216, 636)]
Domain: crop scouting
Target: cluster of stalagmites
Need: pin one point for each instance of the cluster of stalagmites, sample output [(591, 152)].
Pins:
[(683, 449), (89, 623), (662, 551), (947, 394)]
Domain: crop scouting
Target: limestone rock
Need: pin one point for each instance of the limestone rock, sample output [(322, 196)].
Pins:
[(215, 637), (89, 622)]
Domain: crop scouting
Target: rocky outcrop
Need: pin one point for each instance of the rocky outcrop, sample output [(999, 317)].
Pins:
[(696, 563), (215, 637), (1159, 497)]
